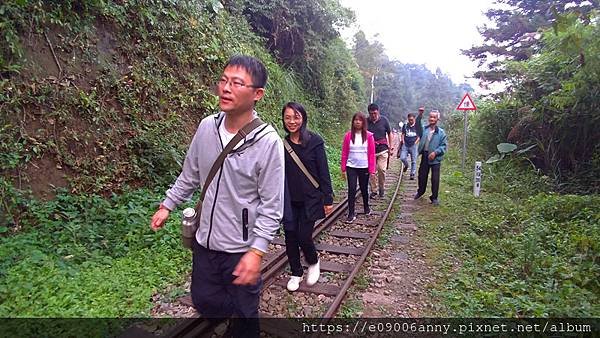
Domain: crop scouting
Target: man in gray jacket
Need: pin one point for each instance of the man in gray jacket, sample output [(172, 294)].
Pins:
[(243, 205)]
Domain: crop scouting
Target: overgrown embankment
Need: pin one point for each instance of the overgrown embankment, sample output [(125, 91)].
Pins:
[(521, 250), (98, 102)]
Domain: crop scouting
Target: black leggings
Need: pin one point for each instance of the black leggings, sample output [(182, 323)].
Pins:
[(300, 238), (362, 174)]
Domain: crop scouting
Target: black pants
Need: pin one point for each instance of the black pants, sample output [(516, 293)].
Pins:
[(214, 295), (424, 172), (362, 174), (300, 238)]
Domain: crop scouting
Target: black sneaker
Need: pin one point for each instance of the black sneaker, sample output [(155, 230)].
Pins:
[(350, 218), (381, 193), (405, 169), (374, 195), (417, 196), (368, 212), (435, 202), (412, 177)]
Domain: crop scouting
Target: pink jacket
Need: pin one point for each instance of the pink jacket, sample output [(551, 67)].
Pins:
[(370, 151)]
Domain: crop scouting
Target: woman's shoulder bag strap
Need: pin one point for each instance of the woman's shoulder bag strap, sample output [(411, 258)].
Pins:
[(296, 159)]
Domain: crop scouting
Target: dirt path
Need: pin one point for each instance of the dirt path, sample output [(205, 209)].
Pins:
[(398, 271)]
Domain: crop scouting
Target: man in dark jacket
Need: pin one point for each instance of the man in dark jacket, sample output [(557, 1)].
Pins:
[(382, 132)]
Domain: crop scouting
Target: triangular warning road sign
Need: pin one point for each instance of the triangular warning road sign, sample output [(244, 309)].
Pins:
[(466, 103)]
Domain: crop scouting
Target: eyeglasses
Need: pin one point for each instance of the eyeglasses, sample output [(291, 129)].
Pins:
[(292, 119), (237, 84)]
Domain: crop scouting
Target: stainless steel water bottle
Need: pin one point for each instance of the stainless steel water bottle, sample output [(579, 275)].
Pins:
[(188, 227)]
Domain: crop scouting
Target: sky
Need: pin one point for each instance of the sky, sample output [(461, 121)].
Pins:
[(430, 32)]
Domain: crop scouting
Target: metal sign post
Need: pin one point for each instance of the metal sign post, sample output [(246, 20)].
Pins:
[(465, 105), (464, 152), (477, 179)]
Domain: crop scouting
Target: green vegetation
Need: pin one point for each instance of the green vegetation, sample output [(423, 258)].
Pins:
[(130, 74), (389, 228), (519, 250), (351, 308), (513, 36), (551, 103), (362, 280), (98, 102), (93, 257), (420, 87)]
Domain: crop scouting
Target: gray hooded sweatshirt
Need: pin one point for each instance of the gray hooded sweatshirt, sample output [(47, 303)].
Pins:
[(250, 182)]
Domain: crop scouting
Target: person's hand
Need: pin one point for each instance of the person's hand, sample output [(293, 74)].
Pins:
[(328, 209), (247, 270), (431, 155), (159, 218), (344, 175)]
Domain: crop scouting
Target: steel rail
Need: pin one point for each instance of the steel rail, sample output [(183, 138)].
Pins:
[(195, 326), (281, 259), (334, 307)]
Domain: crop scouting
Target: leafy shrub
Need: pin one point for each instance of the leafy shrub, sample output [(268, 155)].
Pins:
[(516, 251), (89, 256), (550, 102)]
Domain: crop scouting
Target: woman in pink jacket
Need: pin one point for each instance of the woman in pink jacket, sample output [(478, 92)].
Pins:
[(358, 161)]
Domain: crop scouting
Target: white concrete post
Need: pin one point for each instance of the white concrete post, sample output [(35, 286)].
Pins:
[(477, 179)]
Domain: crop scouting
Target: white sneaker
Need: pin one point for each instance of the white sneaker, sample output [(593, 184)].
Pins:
[(313, 274), (294, 283)]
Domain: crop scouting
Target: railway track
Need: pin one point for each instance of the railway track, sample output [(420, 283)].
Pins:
[(342, 247)]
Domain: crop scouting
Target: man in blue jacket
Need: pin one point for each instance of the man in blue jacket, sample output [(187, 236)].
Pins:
[(432, 147)]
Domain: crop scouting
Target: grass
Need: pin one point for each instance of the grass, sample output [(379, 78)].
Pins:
[(351, 308), (361, 281), (90, 257), (389, 229), (515, 251), (109, 132)]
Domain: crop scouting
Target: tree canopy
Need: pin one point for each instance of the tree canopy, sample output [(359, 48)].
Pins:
[(551, 102), (513, 33)]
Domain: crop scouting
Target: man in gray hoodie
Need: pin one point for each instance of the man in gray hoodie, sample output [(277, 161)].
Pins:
[(243, 205)]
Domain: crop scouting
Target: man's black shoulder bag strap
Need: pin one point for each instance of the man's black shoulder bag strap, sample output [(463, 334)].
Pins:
[(296, 159), (241, 134)]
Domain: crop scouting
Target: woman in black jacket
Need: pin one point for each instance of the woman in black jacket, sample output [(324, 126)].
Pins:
[(307, 203)]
